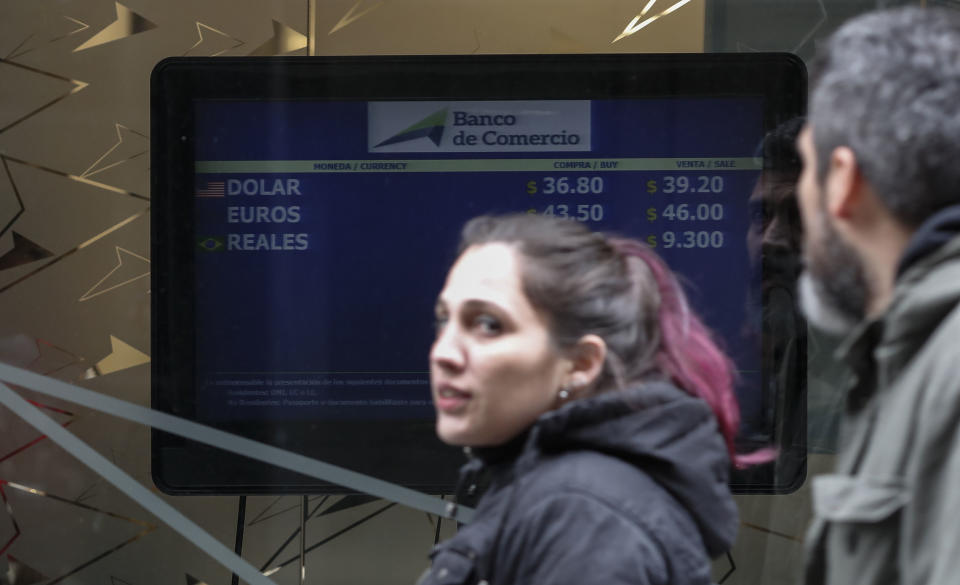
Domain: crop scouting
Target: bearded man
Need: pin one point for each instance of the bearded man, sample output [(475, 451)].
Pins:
[(879, 197)]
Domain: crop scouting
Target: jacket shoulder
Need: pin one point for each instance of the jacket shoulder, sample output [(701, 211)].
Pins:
[(605, 476), (591, 489), (620, 484), (935, 367), (571, 537)]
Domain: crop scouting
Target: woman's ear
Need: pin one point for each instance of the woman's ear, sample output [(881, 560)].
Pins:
[(587, 359)]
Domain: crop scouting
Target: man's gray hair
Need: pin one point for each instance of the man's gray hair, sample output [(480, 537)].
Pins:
[(887, 85)]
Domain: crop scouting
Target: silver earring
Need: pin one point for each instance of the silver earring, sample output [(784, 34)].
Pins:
[(563, 394)]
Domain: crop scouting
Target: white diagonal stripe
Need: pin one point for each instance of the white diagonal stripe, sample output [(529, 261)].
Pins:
[(234, 443)]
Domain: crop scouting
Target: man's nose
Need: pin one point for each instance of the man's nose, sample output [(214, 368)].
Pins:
[(779, 233)]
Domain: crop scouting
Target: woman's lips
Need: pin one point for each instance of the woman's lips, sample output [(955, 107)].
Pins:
[(451, 400)]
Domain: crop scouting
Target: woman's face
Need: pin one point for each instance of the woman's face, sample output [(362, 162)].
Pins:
[(493, 368)]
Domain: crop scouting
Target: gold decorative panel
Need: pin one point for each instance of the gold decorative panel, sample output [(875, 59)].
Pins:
[(75, 263), (376, 27)]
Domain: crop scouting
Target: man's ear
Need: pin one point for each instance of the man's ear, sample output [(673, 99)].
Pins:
[(587, 359), (844, 184)]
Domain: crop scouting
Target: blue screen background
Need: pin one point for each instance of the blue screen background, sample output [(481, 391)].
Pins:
[(357, 305)]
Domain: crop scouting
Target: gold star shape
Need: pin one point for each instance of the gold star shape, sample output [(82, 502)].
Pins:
[(639, 22), (130, 268), (26, 46), (122, 356), (24, 251), (284, 40), (145, 527), (353, 15), (14, 76), (52, 208), (127, 24), (71, 417), (203, 40), (116, 155)]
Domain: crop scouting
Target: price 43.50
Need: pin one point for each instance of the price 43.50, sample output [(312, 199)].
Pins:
[(582, 212)]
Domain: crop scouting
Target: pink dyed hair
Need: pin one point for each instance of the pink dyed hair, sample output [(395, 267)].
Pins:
[(688, 355)]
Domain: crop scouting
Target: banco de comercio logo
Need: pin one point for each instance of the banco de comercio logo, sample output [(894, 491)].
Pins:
[(431, 127), (479, 126)]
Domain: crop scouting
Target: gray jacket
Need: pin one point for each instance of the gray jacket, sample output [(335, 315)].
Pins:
[(621, 488), (891, 511)]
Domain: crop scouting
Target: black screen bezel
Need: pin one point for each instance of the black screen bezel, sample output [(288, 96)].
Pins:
[(183, 467)]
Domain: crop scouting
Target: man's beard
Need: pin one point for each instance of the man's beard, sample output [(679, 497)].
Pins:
[(833, 287)]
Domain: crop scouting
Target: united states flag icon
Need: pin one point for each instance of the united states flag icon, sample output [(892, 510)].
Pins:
[(212, 189)]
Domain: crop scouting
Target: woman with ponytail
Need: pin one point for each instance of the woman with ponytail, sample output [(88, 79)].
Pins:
[(598, 413)]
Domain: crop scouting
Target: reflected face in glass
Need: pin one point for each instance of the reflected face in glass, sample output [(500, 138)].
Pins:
[(493, 366), (775, 229), (833, 289)]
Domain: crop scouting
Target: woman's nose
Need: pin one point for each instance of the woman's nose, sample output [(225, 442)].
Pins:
[(447, 351)]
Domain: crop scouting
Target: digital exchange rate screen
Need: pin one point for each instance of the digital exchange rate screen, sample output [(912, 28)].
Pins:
[(324, 230)]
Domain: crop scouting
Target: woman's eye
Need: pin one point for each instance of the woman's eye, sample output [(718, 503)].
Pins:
[(439, 322), (487, 324)]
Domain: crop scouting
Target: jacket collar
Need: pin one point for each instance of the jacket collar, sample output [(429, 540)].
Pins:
[(857, 352), (662, 430), (933, 233)]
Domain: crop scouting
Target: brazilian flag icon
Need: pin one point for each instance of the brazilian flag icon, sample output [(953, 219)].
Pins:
[(211, 244)]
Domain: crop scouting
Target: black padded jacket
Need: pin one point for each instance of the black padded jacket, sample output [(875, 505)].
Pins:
[(621, 488)]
